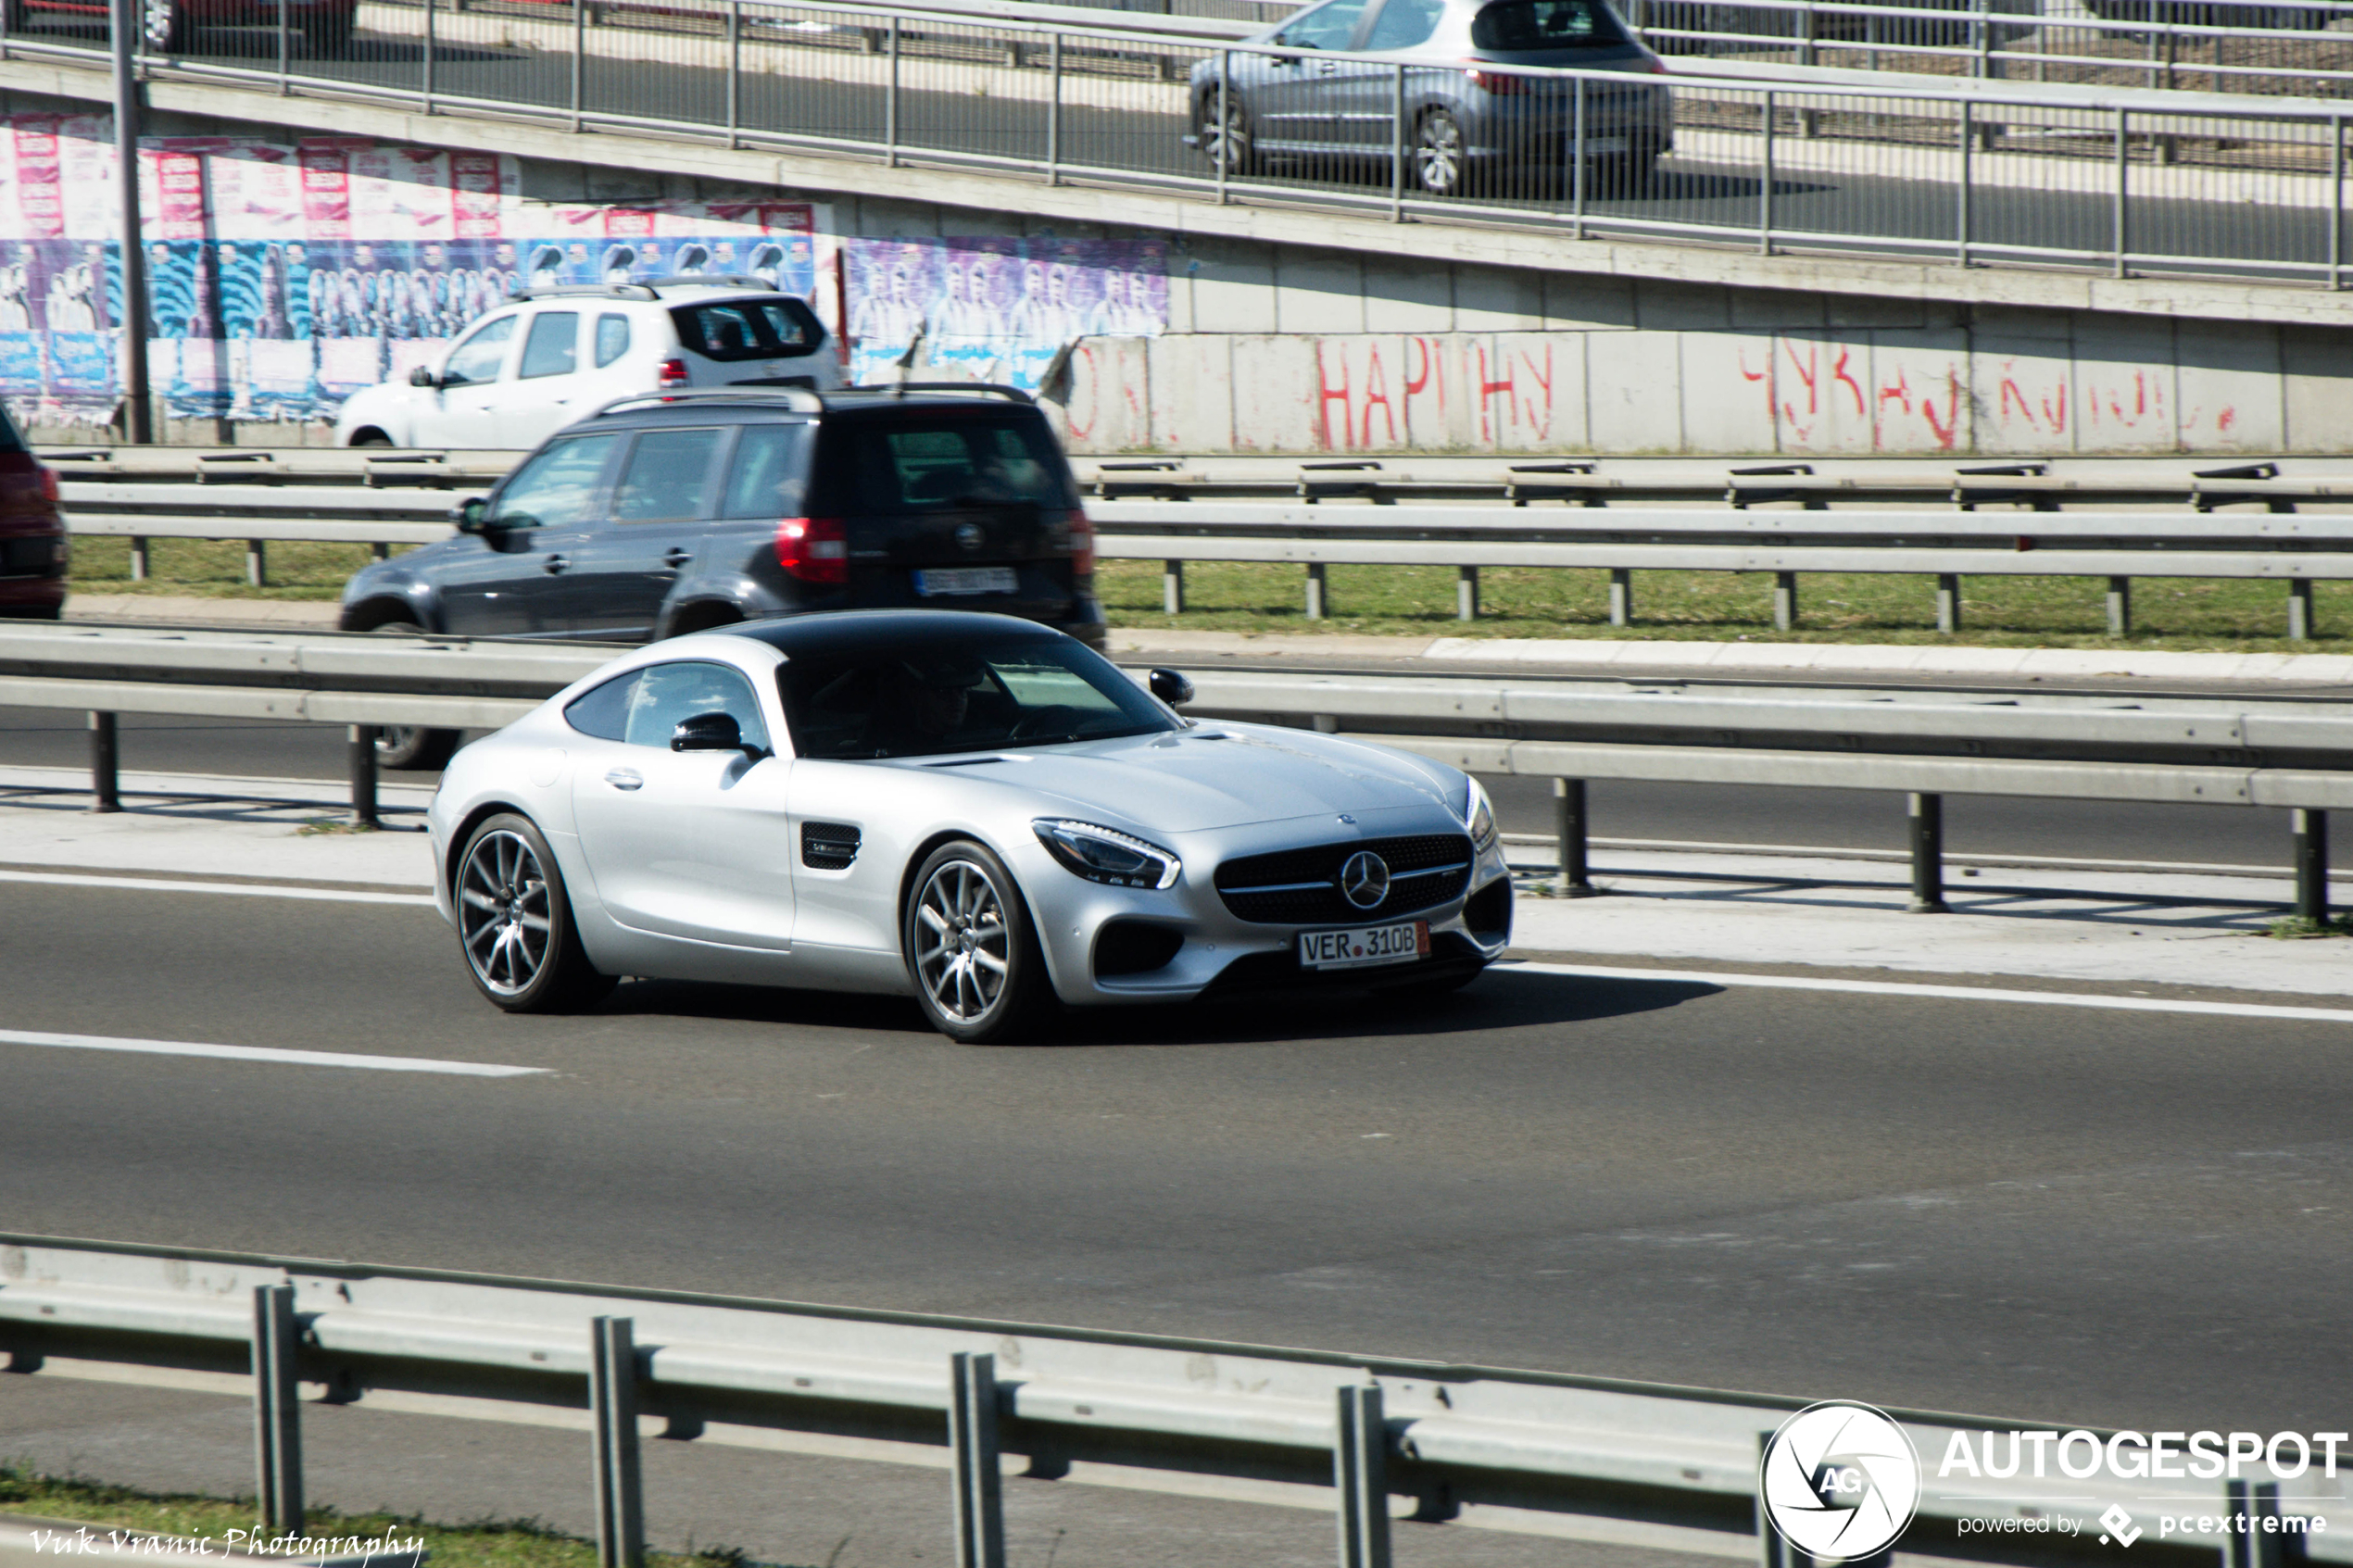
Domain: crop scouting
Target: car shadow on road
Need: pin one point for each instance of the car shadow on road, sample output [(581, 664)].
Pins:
[(1504, 999)]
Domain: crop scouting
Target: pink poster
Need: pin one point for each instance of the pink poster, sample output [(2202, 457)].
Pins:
[(179, 195), (326, 192), (474, 195), (40, 197)]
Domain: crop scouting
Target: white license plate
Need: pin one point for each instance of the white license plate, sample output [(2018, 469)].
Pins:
[(967, 580), (1364, 946), (1604, 146)]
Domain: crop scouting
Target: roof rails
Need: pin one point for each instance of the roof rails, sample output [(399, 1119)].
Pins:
[(900, 389), (798, 398), (606, 291), (712, 281)]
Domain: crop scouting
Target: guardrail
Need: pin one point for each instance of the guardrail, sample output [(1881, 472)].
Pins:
[(1977, 173), (2280, 753), (1456, 1443)]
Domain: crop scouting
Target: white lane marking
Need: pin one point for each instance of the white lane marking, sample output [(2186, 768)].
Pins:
[(249, 889), (266, 1053), (1954, 993)]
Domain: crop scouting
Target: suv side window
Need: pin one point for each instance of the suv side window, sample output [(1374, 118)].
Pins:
[(1404, 23), (769, 475), (666, 695), (612, 339), (553, 346), (1329, 26), (668, 477), (478, 359), (554, 489)]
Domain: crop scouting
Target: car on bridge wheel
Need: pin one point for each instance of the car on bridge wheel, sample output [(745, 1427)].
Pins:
[(973, 810)]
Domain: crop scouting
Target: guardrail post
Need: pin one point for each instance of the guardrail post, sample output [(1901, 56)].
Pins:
[(1773, 1550), (1579, 163), (1467, 593), (1171, 588), (1948, 602), (972, 1435), (890, 104), (1570, 831), (735, 72), (2311, 831), (2249, 1545), (1360, 1474), (1621, 596), (1315, 590), (1784, 600), (425, 62), (2336, 203), (1765, 187), (277, 1411), (2123, 167), (285, 64), (1225, 145), (613, 1406), (2299, 610), (1054, 111), (1397, 144), (1928, 855), (257, 563), (362, 748), (579, 59), (1969, 157), (2119, 607), (106, 784), (140, 564)]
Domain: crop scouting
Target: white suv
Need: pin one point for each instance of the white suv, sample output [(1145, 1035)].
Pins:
[(551, 356)]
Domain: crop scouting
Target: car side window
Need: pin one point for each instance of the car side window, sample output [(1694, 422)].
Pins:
[(1329, 26), (664, 695), (478, 359), (603, 711), (668, 476), (555, 488), (1404, 23), (553, 346), (769, 475), (612, 339)]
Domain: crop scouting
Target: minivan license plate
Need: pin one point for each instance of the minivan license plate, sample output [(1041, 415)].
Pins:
[(966, 580), (1364, 946)]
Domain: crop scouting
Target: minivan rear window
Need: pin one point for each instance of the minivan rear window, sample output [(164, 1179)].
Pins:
[(748, 328), (959, 462), (1532, 25)]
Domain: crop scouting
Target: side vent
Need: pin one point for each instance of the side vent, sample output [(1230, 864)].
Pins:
[(829, 846)]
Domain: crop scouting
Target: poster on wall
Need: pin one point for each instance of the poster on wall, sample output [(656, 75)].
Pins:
[(996, 310)]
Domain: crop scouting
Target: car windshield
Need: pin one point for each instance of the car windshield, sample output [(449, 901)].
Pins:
[(1532, 25), (987, 695)]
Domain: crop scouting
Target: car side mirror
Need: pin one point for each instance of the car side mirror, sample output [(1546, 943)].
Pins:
[(711, 732), (422, 376), (471, 515), (1170, 688)]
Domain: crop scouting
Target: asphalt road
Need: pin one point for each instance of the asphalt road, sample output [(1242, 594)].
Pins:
[(1686, 813), (2135, 1218), (1105, 128)]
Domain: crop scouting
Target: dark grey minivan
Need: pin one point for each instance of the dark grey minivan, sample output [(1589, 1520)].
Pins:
[(678, 511)]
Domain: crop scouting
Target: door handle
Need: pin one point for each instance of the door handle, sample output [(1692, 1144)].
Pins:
[(555, 565), (622, 778), (676, 556)]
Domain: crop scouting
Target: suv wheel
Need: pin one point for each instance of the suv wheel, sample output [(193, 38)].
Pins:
[(1227, 138), (1440, 155)]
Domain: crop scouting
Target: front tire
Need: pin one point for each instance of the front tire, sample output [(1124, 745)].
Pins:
[(514, 922), (972, 952), (165, 26), (1440, 153), (1227, 138)]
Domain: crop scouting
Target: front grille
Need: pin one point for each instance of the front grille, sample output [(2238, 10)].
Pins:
[(1301, 886)]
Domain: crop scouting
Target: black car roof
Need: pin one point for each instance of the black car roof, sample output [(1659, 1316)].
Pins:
[(701, 402), (878, 630)]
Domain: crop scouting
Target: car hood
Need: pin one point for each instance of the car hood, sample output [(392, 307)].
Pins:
[(1217, 776)]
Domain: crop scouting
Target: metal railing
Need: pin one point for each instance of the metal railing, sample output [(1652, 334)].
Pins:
[(1969, 174), (1371, 1433), (2280, 753)]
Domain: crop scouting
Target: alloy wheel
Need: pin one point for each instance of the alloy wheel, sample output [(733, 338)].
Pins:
[(1226, 139), (160, 21), (503, 917), (968, 958), (1438, 154)]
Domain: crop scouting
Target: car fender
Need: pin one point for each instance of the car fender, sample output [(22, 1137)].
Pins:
[(385, 585), (701, 592), (390, 408)]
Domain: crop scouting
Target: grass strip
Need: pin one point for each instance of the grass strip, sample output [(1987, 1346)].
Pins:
[(483, 1543)]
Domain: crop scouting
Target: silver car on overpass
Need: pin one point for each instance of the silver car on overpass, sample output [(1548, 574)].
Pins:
[(976, 810)]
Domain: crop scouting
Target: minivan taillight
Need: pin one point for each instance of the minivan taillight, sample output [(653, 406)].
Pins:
[(1075, 537), (673, 373), (815, 550), (48, 484)]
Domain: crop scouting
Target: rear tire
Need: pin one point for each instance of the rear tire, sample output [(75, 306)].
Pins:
[(971, 948), (371, 438), (1231, 138), (515, 928), (410, 748), (1440, 153)]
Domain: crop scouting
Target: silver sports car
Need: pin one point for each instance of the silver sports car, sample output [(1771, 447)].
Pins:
[(977, 811)]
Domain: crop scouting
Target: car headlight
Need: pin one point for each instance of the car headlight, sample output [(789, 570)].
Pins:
[(1478, 816), (1106, 855)]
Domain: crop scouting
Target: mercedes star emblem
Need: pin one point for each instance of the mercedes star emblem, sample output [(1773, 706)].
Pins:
[(1364, 879)]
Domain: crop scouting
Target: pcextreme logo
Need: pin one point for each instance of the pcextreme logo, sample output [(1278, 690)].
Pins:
[(1839, 1481)]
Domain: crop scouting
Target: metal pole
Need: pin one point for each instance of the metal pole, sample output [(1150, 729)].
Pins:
[(2119, 607), (106, 784), (2336, 203), (1397, 144), (277, 1411), (1928, 855), (1054, 112), (1570, 829), (362, 750), (1765, 187), (1577, 172), (890, 104), (1171, 588), (1773, 1550), (734, 71), (427, 76), (138, 412), (612, 1406), (285, 67), (1621, 596), (1784, 600), (1315, 590), (1467, 593), (2122, 164), (2299, 610), (2311, 829), (579, 59), (1224, 128), (257, 563), (1948, 602), (1360, 1475), (1968, 158), (972, 1436)]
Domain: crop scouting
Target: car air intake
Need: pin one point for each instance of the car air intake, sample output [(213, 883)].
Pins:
[(1133, 946), (1489, 911), (1301, 886), (829, 846)]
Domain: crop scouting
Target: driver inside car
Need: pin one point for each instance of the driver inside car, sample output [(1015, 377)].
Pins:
[(918, 707)]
